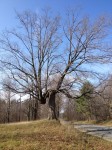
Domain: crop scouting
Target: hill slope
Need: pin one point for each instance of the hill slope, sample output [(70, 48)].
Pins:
[(47, 135)]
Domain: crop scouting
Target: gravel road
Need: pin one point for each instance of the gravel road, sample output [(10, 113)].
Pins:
[(96, 130)]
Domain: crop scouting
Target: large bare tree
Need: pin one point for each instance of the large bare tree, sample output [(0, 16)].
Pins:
[(46, 57)]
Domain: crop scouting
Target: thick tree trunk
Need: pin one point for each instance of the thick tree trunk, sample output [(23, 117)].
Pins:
[(52, 106), (36, 110)]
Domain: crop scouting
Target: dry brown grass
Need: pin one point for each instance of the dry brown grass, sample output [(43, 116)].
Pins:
[(47, 135), (104, 123)]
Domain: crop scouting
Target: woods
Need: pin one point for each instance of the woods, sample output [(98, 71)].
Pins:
[(47, 56)]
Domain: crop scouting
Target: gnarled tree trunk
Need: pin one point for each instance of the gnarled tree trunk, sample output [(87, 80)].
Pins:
[(52, 106)]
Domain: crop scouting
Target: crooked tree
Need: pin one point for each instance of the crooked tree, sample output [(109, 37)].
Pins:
[(42, 49)]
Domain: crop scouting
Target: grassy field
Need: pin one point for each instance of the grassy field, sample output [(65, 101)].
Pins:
[(47, 135), (105, 123)]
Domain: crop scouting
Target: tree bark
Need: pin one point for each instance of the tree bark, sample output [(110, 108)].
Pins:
[(36, 110), (52, 106)]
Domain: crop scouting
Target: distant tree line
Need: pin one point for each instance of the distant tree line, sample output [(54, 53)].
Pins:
[(92, 104), (95, 104)]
